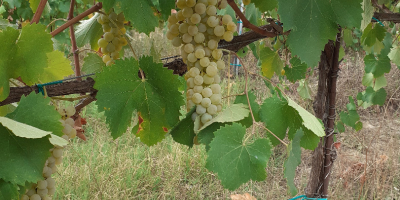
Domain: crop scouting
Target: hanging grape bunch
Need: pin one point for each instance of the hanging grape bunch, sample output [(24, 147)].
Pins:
[(197, 29), (45, 188), (113, 39)]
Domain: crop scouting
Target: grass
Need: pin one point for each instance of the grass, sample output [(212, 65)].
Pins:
[(102, 168)]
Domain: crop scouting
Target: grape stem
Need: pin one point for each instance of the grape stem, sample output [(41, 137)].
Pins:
[(246, 22), (248, 102)]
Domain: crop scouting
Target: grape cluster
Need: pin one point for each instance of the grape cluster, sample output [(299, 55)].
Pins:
[(43, 189), (197, 29), (113, 39)]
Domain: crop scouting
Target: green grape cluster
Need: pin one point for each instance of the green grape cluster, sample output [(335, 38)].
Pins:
[(45, 188), (197, 29), (113, 39)]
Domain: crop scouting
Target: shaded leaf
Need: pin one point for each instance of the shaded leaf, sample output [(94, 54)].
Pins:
[(183, 132), (293, 160)]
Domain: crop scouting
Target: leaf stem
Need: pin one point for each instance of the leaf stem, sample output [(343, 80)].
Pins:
[(262, 126)]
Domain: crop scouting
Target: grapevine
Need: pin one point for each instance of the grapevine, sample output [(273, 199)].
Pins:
[(197, 29)]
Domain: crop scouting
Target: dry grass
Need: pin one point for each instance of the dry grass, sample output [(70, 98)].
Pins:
[(367, 165)]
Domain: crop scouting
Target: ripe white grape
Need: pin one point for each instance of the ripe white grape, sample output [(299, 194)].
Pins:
[(35, 197), (52, 191), (216, 89), (204, 62), (226, 19), (231, 26), (57, 153), (192, 58), (198, 88), (187, 12), (206, 102), (196, 98), (212, 109), (183, 28), (212, 21), (172, 19), (110, 47), (199, 38), (70, 110), (207, 92), (228, 36), (200, 53), (174, 29), (194, 116), (202, 27), (189, 48), (180, 16), (207, 79), (25, 197), (169, 35), (193, 30), (200, 8), (177, 42), (212, 2), (205, 2), (198, 80), (211, 70), (195, 18), (181, 4), (106, 58), (212, 44), (190, 3), (186, 38), (190, 82), (51, 183), (220, 64), (207, 51), (219, 108), (42, 192), (190, 104), (42, 184), (205, 118), (246, 2), (194, 72), (217, 54), (108, 36), (200, 109), (102, 43), (59, 160), (223, 4), (219, 31), (211, 10), (217, 79), (215, 99)]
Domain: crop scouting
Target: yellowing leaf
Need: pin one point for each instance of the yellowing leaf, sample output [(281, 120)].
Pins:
[(270, 62), (58, 67)]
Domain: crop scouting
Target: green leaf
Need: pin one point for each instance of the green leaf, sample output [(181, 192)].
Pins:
[(265, 5), (297, 71), (270, 62), (8, 190), (394, 55), (183, 132), (279, 115), (232, 113), (14, 3), (348, 37), (314, 23), (367, 14), (92, 63), (26, 150), (35, 110), (89, 32), (304, 89), (206, 135), (293, 160), (156, 98), (368, 79), (252, 14), (58, 67), (351, 117), (4, 23), (166, 7), (7, 52), (380, 82), (377, 65), (139, 12), (372, 96), (235, 161), (255, 108), (372, 35)]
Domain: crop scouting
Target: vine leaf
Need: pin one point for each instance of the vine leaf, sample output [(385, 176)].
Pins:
[(280, 115), (236, 161), (57, 68), (367, 14), (183, 132), (166, 7), (297, 71), (252, 14), (8, 190), (351, 118), (232, 113), (35, 105), (206, 135), (28, 149), (4, 23), (265, 5), (270, 62), (372, 97), (293, 160), (313, 23), (372, 35), (139, 12), (304, 89), (89, 32), (394, 55), (255, 108), (92, 64), (156, 98), (379, 65)]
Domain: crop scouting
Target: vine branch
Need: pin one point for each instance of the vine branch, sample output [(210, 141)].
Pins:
[(39, 12), (76, 19), (75, 50)]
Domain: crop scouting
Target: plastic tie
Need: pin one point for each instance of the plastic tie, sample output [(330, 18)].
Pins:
[(239, 21), (304, 197), (40, 86), (239, 65), (378, 21)]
